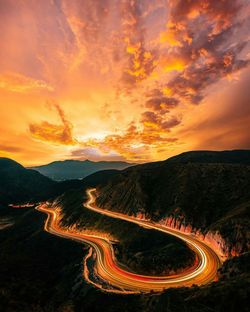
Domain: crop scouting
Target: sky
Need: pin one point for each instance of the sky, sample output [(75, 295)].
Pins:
[(131, 80)]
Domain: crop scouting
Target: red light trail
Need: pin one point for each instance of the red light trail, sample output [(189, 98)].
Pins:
[(116, 278)]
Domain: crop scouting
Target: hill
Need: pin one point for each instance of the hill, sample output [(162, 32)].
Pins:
[(212, 196), (19, 184), (208, 157), (77, 169), (42, 272)]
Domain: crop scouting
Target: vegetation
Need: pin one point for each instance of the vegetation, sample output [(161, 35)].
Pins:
[(212, 196), (143, 251), (41, 272)]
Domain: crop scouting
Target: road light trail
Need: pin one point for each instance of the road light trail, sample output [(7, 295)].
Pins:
[(117, 278)]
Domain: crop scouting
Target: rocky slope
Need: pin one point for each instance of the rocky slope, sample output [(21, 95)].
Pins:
[(42, 272), (141, 250), (209, 199)]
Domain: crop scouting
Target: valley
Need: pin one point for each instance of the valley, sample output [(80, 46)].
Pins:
[(203, 272), (135, 237)]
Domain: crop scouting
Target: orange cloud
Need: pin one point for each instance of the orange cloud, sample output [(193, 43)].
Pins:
[(220, 13), (48, 132), (139, 142), (112, 62), (141, 61), (16, 82), (204, 52), (9, 149), (176, 34), (173, 64), (161, 103), (157, 123)]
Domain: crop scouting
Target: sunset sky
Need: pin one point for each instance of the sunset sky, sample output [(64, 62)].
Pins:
[(134, 80)]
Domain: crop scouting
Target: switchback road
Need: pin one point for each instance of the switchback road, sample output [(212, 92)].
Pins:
[(117, 279)]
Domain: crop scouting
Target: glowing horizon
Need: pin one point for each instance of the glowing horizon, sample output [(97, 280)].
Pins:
[(136, 81)]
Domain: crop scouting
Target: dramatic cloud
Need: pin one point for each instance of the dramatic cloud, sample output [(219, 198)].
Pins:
[(201, 36), (192, 83), (95, 154), (138, 143), (9, 149), (140, 60), (157, 123), (16, 82), (161, 103), (218, 15), (48, 132), (139, 80)]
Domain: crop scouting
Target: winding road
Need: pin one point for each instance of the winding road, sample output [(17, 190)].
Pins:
[(110, 276)]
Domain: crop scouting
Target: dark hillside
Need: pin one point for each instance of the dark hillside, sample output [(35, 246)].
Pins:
[(205, 195)]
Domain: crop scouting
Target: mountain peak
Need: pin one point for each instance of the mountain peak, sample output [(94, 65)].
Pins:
[(7, 163), (77, 169), (205, 156)]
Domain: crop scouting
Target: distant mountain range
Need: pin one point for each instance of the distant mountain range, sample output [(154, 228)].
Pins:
[(18, 184), (77, 169), (207, 190)]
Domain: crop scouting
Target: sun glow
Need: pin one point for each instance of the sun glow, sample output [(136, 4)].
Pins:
[(124, 79)]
